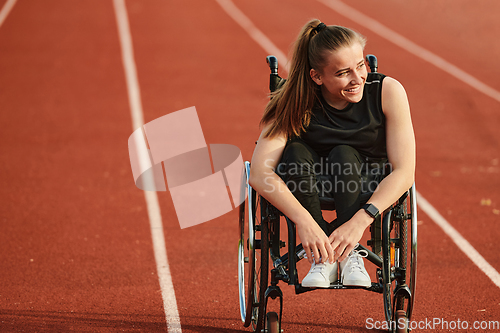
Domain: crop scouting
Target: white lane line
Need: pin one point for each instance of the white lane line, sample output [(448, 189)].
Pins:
[(410, 46), (155, 220), (237, 15), (6, 10), (459, 240)]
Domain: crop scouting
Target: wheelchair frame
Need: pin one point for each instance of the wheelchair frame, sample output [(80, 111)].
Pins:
[(393, 250)]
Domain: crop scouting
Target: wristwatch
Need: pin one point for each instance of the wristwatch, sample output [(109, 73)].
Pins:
[(371, 210)]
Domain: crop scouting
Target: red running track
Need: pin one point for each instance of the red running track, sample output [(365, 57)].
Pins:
[(76, 249)]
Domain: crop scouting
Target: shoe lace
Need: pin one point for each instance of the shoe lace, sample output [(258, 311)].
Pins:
[(319, 267), (354, 259)]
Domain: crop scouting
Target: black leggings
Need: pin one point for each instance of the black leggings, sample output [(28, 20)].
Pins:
[(344, 175)]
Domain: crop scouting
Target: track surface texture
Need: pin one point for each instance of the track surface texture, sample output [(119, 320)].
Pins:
[(75, 243)]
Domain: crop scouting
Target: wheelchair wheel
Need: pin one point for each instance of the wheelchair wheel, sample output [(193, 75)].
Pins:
[(399, 248), (272, 323), (253, 260), (401, 322)]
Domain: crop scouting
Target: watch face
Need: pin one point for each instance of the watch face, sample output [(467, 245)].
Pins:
[(371, 210)]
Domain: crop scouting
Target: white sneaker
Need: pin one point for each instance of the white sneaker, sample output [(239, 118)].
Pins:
[(321, 275), (353, 272)]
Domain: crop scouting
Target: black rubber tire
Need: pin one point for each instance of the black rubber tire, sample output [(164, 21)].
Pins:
[(272, 323), (262, 275), (243, 264), (401, 321), (387, 282), (246, 260), (253, 257), (399, 229)]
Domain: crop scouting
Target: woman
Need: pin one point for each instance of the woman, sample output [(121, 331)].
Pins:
[(331, 119)]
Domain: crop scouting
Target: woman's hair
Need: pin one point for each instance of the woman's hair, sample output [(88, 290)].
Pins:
[(289, 110)]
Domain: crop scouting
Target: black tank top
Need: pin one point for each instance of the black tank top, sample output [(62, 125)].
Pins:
[(360, 125)]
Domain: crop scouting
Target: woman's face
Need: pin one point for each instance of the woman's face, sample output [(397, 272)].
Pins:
[(343, 78)]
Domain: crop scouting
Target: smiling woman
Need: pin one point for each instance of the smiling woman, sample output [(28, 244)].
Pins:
[(331, 112), (342, 79)]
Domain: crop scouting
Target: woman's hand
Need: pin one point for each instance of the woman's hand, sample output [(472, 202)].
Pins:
[(267, 183), (344, 238), (315, 242)]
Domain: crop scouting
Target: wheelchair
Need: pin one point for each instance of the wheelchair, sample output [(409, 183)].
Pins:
[(392, 248)]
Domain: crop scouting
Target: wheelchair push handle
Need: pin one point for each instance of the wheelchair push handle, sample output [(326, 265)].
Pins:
[(372, 62), (275, 81), (272, 61)]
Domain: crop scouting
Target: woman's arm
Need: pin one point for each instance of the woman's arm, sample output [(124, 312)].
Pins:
[(268, 184), (401, 153)]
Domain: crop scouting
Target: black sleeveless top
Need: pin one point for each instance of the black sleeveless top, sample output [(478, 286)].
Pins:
[(360, 125)]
